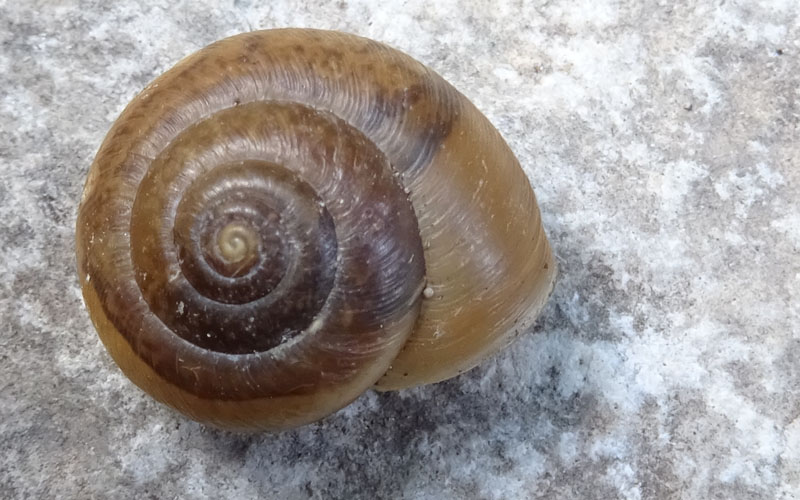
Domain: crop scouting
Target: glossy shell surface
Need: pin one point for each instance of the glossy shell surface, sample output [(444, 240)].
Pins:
[(287, 218)]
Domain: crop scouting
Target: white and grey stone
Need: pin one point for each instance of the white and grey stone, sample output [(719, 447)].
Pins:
[(663, 141)]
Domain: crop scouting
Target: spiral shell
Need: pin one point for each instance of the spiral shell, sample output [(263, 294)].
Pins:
[(287, 218)]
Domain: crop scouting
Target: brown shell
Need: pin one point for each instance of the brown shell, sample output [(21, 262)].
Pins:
[(289, 217)]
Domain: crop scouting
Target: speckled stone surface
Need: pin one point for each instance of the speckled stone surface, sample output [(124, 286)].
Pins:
[(663, 141)]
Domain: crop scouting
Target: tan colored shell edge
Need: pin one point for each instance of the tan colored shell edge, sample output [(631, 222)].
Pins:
[(489, 263)]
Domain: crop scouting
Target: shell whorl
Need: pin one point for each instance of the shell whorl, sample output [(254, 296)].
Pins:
[(258, 227)]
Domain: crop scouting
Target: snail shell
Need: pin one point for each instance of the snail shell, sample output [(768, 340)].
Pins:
[(287, 218)]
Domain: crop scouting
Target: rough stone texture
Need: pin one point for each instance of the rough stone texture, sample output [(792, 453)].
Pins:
[(662, 139)]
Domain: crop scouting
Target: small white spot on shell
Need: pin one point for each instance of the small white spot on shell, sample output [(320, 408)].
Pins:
[(428, 292), (180, 307), (315, 326)]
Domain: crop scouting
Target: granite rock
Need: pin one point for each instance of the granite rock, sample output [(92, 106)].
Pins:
[(663, 142)]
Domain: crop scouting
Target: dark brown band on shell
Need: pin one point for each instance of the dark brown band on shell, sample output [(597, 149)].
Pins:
[(341, 210)]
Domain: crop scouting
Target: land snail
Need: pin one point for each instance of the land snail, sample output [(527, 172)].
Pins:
[(288, 218)]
